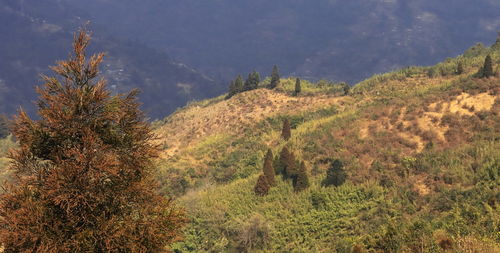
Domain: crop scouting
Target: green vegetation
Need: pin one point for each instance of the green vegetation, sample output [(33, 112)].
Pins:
[(414, 155)]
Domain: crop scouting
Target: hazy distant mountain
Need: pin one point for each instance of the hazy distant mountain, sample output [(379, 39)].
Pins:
[(35, 34), (340, 40)]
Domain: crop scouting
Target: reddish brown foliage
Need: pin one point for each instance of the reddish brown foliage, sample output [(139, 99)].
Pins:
[(84, 171), (286, 132), (262, 186), (268, 168)]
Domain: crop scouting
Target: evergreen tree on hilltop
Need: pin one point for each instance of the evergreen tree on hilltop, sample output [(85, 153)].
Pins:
[(285, 131), (262, 186), (275, 78), (268, 168), (232, 90), (252, 81), (85, 170), (487, 69), (4, 126), (496, 46), (335, 174), (460, 68), (298, 87), (301, 181), (238, 84)]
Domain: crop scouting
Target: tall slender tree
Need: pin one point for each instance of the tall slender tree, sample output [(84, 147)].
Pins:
[(85, 170), (487, 67), (460, 68), (298, 87), (238, 84), (301, 181), (268, 168), (275, 78), (232, 90), (284, 161), (285, 131)]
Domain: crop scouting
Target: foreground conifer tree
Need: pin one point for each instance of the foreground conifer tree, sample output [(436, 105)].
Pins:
[(84, 171)]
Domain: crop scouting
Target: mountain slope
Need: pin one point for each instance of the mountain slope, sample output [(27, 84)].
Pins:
[(420, 147), (39, 33)]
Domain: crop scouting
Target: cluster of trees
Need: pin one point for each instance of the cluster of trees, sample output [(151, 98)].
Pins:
[(252, 82), (84, 171), (4, 126), (285, 165)]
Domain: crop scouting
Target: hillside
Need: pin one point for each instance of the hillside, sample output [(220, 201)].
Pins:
[(420, 148), (39, 33)]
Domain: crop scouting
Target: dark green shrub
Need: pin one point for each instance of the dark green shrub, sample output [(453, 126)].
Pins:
[(335, 175)]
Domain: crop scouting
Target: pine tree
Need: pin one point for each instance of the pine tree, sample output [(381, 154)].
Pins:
[(460, 68), (275, 78), (232, 90), (285, 131), (268, 168), (248, 83), (487, 67), (335, 174), (84, 170), (238, 84), (292, 166), (298, 87), (255, 79), (496, 46), (262, 186), (301, 181), (252, 81), (4, 126), (284, 161)]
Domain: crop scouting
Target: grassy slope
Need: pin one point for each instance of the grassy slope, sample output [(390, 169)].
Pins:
[(420, 146)]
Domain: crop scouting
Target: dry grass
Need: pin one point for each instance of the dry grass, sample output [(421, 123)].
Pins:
[(192, 125), (427, 125)]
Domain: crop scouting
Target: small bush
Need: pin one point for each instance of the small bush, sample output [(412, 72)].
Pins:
[(335, 175)]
